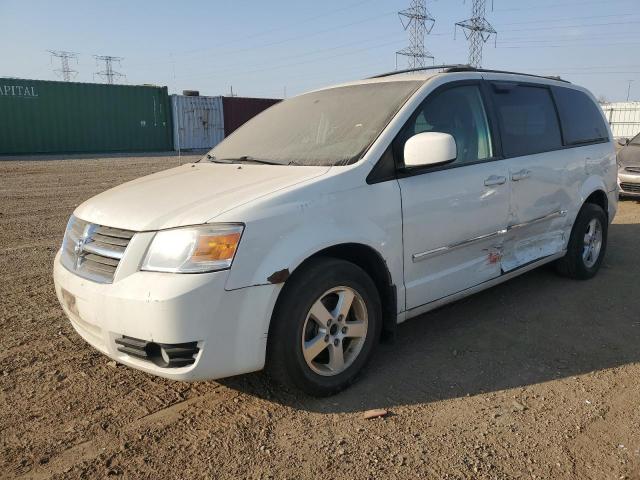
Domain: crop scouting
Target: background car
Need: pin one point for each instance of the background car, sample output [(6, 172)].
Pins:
[(629, 166)]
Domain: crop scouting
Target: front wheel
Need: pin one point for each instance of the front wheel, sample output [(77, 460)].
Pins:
[(324, 328), (587, 244)]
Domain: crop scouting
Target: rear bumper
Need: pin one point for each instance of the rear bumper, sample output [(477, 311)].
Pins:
[(229, 327)]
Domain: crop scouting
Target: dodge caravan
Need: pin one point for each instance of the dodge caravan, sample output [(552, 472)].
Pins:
[(310, 233)]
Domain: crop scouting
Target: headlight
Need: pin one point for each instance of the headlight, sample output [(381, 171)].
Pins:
[(193, 249)]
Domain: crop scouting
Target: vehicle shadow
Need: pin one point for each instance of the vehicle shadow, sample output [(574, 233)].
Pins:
[(532, 329)]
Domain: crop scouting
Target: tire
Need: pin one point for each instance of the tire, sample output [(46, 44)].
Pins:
[(297, 329), (577, 263)]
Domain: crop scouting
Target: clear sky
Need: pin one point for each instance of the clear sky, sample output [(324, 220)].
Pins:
[(263, 47)]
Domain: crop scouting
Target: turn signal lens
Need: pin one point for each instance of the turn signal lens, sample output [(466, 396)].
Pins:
[(216, 247), (193, 249)]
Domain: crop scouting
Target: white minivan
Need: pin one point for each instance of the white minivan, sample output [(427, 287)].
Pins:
[(304, 238)]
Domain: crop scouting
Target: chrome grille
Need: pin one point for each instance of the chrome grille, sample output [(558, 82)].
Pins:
[(630, 187), (93, 251), (632, 169)]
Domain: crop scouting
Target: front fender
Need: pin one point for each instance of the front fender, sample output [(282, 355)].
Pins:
[(284, 234)]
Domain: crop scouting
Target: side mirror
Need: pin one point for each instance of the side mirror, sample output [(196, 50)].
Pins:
[(429, 148), (623, 141)]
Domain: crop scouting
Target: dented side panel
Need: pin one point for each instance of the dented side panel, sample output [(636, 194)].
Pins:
[(453, 230)]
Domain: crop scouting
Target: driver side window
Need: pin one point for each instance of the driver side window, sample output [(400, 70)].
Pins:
[(458, 111)]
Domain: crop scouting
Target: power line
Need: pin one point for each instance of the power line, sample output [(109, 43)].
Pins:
[(109, 74), (309, 34), (297, 82), (587, 68), (599, 73), (338, 75), (297, 64), (566, 45), (477, 30), (617, 15), (332, 11), (558, 4), (65, 71), (578, 42), (270, 63), (576, 25), (418, 22), (271, 66), (555, 43), (571, 37), (285, 40), (341, 75), (316, 33), (572, 26)]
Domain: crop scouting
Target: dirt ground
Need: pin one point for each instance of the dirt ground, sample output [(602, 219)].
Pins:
[(536, 378)]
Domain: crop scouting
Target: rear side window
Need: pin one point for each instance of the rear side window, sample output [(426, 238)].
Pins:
[(581, 118), (528, 119)]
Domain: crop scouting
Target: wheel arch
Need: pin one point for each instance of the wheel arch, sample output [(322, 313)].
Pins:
[(373, 263), (599, 197), (594, 191)]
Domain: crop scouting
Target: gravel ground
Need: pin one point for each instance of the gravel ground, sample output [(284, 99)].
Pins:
[(536, 378)]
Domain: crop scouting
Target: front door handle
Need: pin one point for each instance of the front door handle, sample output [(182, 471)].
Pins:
[(494, 180), (521, 175)]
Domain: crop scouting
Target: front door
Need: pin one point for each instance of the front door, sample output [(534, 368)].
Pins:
[(454, 216)]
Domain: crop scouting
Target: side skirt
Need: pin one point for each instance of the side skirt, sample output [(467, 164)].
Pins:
[(414, 312)]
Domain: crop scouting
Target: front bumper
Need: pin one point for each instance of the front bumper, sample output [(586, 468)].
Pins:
[(230, 327), (629, 183)]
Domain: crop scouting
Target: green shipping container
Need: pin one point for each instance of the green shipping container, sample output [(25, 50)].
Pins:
[(38, 116)]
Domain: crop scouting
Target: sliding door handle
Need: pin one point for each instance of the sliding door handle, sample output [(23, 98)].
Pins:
[(494, 180), (521, 175)]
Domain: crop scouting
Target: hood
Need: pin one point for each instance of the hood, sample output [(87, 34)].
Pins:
[(189, 195), (629, 156)]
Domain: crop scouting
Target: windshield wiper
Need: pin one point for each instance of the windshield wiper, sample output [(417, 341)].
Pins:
[(208, 156), (244, 158)]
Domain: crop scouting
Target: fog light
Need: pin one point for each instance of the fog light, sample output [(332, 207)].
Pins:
[(166, 355)]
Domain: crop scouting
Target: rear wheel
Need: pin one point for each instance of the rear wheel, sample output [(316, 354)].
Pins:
[(587, 244), (324, 328)]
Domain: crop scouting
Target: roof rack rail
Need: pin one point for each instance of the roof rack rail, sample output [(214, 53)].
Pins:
[(464, 68), (419, 69), (468, 68)]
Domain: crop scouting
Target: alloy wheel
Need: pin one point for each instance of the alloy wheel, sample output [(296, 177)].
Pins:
[(334, 331), (592, 243)]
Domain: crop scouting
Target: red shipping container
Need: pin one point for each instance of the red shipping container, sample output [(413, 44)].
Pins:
[(238, 110)]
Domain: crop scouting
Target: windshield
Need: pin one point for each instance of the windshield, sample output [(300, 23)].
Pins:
[(635, 140), (328, 127)]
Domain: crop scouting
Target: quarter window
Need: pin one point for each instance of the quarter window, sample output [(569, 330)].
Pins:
[(528, 119), (458, 111), (581, 118)]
